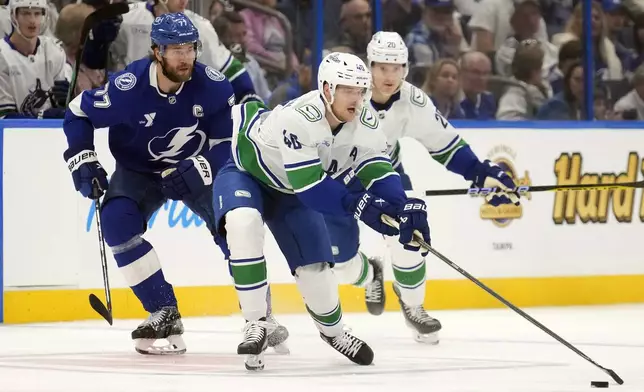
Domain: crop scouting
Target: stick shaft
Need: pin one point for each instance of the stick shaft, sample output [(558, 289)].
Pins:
[(537, 188)]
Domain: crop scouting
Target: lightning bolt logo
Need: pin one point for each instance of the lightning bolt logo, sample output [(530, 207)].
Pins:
[(180, 137)]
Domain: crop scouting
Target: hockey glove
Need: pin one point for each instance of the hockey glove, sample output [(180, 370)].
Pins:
[(59, 93), (87, 171), (413, 218), (490, 175), (187, 179), (369, 209)]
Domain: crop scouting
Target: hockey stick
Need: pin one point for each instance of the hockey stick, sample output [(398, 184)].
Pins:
[(107, 12), (539, 188), (95, 303), (392, 222)]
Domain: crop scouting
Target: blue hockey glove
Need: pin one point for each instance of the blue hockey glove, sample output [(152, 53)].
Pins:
[(490, 175), (369, 209), (90, 179), (413, 217), (59, 93), (187, 179)]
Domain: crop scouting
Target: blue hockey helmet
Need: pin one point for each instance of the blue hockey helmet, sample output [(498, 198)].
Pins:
[(174, 29)]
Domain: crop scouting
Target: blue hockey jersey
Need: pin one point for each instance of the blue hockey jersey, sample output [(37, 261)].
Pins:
[(150, 130)]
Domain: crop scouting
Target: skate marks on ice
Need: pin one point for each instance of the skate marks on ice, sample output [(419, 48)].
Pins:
[(225, 365)]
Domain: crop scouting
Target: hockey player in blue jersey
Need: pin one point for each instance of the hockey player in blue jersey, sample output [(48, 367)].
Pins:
[(166, 114)]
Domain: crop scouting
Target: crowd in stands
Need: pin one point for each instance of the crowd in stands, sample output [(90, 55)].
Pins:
[(476, 59)]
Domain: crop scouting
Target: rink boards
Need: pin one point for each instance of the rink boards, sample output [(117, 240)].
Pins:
[(556, 249)]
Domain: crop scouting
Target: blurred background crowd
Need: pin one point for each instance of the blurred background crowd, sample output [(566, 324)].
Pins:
[(477, 59)]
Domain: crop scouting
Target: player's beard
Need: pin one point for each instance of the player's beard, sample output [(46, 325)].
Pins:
[(173, 75)]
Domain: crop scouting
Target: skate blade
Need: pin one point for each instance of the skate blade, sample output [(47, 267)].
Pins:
[(427, 338), (281, 349), (254, 362), (175, 346)]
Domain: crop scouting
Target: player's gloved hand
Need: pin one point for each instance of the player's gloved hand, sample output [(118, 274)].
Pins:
[(490, 175), (59, 93), (412, 217), (90, 179), (52, 113), (370, 208), (187, 179)]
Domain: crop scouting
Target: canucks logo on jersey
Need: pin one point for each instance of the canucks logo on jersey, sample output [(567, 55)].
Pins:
[(35, 100), (179, 143)]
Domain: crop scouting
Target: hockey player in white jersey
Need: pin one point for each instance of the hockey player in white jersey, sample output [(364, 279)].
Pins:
[(320, 155), (133, 43), (405, 111), (35, 77)]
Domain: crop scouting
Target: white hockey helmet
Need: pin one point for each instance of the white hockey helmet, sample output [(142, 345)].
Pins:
[(15, 4), (342, 69), (388, 47)]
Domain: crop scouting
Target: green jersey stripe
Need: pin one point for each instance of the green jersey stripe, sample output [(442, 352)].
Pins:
[(304, 177)]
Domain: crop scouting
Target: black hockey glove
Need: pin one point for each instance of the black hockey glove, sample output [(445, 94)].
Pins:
[(59, 93)]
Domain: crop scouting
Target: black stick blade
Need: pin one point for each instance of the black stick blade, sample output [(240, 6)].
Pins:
[(614, 375), (98, 306)]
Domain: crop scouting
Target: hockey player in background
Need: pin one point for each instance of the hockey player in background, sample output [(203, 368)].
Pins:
[(322, 153), (167, 113), (405, 111), (35, 76), (134, 36)]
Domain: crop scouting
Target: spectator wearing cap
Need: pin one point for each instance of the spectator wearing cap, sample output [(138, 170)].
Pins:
[(522, 101), (571, 52), (477, 103), (401, 15), (490, 25), (607, 64), (442, 87), (356, 31), (437, 35), (525, 22), (231, 29), (634, 100)]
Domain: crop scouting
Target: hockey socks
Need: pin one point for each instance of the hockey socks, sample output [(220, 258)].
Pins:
[(245, 238), (409, 273), (319, 290), (356, 271)]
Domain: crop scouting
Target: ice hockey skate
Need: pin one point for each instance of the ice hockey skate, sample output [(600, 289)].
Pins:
[(424, 327), (254, 344), (277, 335), (375, 290), (351, 347), (162, 324)]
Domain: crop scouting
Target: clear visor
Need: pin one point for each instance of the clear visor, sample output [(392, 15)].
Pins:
[(187, 51)]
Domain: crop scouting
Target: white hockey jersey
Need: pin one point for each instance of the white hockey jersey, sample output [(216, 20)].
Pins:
[(414, 115), (133, 41), (25, 81), (292, 148)]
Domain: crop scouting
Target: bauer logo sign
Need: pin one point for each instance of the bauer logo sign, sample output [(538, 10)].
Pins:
[(503, 215), (596, 205)]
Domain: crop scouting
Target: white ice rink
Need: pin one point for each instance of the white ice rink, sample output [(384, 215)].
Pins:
[(487, 350)]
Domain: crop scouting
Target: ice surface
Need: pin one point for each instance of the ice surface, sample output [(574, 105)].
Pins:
[(486, 350)]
